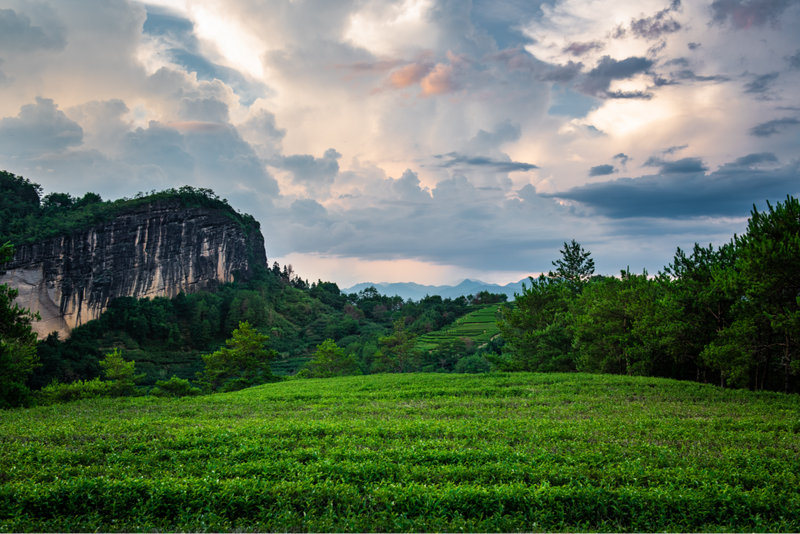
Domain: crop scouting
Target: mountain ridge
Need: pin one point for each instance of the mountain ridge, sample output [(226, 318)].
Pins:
[(416, 291)]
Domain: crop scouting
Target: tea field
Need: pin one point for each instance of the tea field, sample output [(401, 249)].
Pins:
[(418, 452), (479, 326)]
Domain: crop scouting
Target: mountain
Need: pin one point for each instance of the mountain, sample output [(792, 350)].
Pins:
[(410, 290), (146, 249)]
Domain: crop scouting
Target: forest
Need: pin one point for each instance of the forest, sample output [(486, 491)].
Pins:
[(728, 316)]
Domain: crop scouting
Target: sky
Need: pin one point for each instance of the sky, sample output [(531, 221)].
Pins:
[(418, 140)]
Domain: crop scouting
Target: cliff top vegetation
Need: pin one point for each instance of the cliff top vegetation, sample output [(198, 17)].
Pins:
[(26, 216)]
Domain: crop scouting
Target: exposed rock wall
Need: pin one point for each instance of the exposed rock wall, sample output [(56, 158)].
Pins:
[(159, 249)]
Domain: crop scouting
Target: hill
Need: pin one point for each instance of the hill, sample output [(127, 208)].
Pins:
[(410, 290), (497, 452)]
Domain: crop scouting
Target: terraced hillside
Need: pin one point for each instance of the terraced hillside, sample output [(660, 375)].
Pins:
[(411, 452), (479, 326)]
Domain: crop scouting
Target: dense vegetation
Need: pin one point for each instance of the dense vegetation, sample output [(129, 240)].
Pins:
[(729, 316), (27, 217), (413, 452)]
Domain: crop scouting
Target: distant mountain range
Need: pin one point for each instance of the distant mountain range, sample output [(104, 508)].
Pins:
[(410, 290)]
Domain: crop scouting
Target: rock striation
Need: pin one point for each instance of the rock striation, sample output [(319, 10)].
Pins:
[(157, 249)]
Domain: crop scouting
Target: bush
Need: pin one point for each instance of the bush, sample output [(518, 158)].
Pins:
[(472, 364), (56, 393), (175, 387)]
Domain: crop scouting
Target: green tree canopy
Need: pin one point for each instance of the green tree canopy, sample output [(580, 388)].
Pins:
[(243, 363), (329, 361)]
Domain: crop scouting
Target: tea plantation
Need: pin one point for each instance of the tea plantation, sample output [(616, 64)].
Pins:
[(479, 326), (424, 452)]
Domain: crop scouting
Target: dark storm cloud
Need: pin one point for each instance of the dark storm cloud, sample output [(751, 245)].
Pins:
[(751, 160), (694, 46), (640, 95), (772, 127), (748, 14), (17, 34), (562, 73), (730, 191), (761, 84), (598, 80), (579, 49), (455, 159), (38, 128), (602, 170), (681, 166)]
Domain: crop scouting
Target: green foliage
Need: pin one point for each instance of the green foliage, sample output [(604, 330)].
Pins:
[(765, 284), (57, 393), (243, 363), (329, 361), (120, 374), (576, 266), (398, 353), (175, 387), (25, 217), (538, 330), (18, 357), (498, 452)]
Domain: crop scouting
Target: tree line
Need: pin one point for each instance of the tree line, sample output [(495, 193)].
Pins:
[(728, 315)]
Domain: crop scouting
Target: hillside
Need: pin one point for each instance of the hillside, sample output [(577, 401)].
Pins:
[(410, 290), (498, 452)]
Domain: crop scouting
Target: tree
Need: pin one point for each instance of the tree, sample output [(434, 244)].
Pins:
[(243, 363), (398, 353), (18, 357), (765, 283), (329, 361), (120, 373), (538, 329), (576, 267)]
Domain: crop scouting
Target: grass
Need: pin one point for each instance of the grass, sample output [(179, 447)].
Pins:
[(479, 326), (421, 452)]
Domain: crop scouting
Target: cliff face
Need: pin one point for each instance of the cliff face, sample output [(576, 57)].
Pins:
[(158, 249)]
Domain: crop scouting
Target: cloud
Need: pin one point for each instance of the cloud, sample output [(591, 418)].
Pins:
[(409, 75), (18, 35), (37, 129), (694, 46), (602, 170), (770, 128), (658, 25), (752, 160), (689, 75), (203, 110), (728, 192), (598, 80), (681, 166), (262, 132), (562, 73), (794, 60), (5, 81), (439, 81), (761, 84), (315, 174), (623, 159), (674, 149), (579, 49), (454, 159), (744, 15)]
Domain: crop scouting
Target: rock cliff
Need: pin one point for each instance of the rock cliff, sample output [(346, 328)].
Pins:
[(157, 249)]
